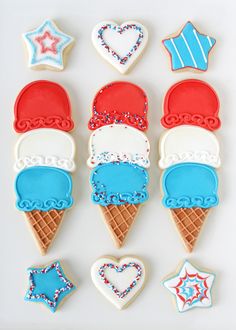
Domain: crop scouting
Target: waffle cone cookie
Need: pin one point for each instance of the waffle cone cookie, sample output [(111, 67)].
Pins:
[(44, 226), (189, 222), (119, 219)]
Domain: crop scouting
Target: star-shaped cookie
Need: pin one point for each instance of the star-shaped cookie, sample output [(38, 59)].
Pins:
[(46, 46), (190, 287), (189, 49), (48, 285)]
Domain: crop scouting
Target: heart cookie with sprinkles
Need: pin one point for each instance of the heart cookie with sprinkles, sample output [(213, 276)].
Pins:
[(120, 45), (118, 280)]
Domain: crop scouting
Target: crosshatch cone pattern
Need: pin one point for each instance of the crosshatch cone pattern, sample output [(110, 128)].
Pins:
[(189, 222), (119, 219), (44, 226)]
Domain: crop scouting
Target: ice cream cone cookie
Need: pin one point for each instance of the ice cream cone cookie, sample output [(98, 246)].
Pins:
[(44, 156), (189, 49), (119, 155), (48, 285), (120, 45), (120, 281), (184, 144), (47, 47), (191, 102), (191, 287)]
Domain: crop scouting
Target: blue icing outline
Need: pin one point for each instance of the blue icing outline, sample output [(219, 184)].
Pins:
[(45, 282), (66, 40), (182, 199), (181, 57), (178, 274), (30, 198), (130, 187)]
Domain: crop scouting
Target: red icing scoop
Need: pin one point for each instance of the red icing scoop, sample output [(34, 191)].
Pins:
[(42, 104), (120, 103), (191, 102)]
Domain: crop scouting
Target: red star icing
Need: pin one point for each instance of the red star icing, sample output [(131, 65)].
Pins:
[(53, 46)]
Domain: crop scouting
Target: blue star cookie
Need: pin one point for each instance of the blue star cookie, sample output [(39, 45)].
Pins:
[(48, 285), (46, 45), (189, 49)]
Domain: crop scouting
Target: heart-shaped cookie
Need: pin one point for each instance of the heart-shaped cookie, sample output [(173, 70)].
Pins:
[(120, 45), (119, 280)]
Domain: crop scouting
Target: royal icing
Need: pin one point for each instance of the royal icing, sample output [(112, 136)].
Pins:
[(189, 49), (120, 45), (43, 188), (45, 147), (121, 143), (120, 103), (118, 184), (188, 185), (118, 280), (191, 287), (48, 285), (188, 144), (46, 46), (191, 102), (42, 104)]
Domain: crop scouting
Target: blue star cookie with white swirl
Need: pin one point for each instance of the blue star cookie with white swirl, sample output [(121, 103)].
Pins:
[(47, 47), (189, 49), (48, 285)]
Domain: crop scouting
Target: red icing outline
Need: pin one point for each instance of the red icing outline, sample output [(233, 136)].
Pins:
[(175, 35), (42, 104), (185, 105), (120, 102)]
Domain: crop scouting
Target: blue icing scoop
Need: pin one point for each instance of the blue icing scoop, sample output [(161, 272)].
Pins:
[(43, 188), (118, 184), (190, 185)]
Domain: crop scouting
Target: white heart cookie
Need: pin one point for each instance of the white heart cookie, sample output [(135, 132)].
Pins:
[(118, 280), (121, 44)]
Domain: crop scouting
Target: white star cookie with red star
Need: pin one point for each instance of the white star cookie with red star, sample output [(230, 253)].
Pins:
[(190, 287), (47, 46)]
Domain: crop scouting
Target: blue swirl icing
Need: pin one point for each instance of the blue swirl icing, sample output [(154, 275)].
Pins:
[(119, 183), (189, 185), (43, 188)]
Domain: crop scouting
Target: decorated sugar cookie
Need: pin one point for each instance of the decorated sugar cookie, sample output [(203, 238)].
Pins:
[(120, 45), (188, 143), (190, 287), (48, 285), (120, 281), (189, 49), (119, 155), (44, 158), (47, 46)]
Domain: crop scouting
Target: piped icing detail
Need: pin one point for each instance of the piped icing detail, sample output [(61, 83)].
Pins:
[(188, 144), (43, 188), (189, 49), (46, 45), (48, 285), (120, 103), (191, 102), (120, 45), (118, 184), (118, 143), (190, 185), (42, 104), (191, 287), (45, 147)]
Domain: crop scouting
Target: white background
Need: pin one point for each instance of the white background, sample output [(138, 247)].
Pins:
[(83, 237)]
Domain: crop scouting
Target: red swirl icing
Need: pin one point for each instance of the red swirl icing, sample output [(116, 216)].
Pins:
[(120, 103), (42, 104), (191, 102)]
